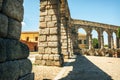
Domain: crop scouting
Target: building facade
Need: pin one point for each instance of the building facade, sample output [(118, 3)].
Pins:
[(30, 39), (82, 41)]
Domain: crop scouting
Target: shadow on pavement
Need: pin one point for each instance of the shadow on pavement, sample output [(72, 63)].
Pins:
[(83, 69)]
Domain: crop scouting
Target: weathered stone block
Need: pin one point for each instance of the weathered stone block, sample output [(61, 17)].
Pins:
[(45, 56), (57, 63), (49, 63), (52, 44), (3, 25), (41, 50), (63, 34), (53, 30), (54, 50), (53, 2), (2, 50), (16, 50), (52, 11), (14, 29), (52, 38), (9, 70), (48, 50), (51, 57), (1, 4), (40, 62), (44, 31), (28, 77), (51, 24), (37, 61), (54, 17), (13, 9), (56, 57), (43, 2), (63, 37), (25, 66), (39, 57), (43, 24), (43, 44), (42, 38), (43, 13), (47, 18), (42, 19)]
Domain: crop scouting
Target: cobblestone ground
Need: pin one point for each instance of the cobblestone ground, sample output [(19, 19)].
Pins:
[(81, 68)]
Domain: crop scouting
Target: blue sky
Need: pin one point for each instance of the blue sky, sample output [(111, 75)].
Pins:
[(103, 11)]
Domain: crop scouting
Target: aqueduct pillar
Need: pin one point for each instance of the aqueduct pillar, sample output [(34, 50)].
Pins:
[(110, 40), (64, 30), (49, 40)]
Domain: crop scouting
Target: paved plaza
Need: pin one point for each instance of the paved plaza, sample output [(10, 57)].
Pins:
[(81, 68)]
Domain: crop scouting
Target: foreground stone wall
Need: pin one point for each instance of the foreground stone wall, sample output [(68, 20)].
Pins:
[(14, 64)]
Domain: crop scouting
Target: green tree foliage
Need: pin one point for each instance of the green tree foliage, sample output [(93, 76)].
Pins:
[(118, 33), (105, 45), (95, 42)]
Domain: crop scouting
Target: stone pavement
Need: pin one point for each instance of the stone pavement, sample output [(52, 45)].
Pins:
[(91, 68), (82, 68)]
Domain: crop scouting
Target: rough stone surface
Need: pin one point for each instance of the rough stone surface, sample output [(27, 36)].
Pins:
[(25, 66), (14, 29), (1, 4), (53, 31), (12, 50), (44, 31), (42, 38), (9, 70), (16, 50), (52, 44), (46, 57), (52, 38), (13, 9), (39, 57), (2, 50), (14, 64), (3, 25), (12, 70)]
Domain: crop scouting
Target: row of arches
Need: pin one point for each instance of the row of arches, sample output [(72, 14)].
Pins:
[(94, 33)]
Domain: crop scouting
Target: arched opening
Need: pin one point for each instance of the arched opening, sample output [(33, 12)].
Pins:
[(95, 39), (114, 40), (82, 38), (105, 37)]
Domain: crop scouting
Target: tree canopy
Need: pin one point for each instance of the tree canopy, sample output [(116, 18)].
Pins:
[(95, 42)]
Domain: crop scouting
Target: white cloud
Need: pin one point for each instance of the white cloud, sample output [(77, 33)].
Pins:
[(23, 23)]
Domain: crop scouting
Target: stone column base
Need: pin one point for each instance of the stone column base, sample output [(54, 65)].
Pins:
[(49, 59)]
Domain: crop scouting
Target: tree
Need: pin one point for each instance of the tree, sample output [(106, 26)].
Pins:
[(95, 42), (118, 33), (118, 36)]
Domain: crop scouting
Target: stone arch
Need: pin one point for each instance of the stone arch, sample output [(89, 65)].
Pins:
[(95, 38), (82, 30), (105, 37), (82, 39)]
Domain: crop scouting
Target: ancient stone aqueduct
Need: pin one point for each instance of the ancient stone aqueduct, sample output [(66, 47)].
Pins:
[(57, 35)]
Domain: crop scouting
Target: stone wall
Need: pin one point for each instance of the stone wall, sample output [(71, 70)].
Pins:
[(14, 64)]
